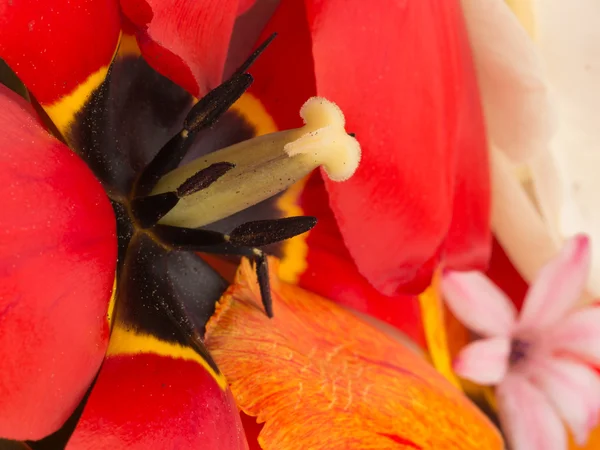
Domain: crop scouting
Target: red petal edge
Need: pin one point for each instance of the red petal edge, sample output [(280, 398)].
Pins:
[(332, 273), (398, 89)]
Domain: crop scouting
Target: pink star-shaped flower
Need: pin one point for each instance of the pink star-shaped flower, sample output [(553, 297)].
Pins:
[(541, 362)]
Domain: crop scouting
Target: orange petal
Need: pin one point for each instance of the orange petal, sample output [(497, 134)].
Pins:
[(593, 442), (316, 364)]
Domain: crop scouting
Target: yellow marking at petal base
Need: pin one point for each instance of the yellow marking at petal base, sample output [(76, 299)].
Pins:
[(127, 342), (524, 10), (111, 304), (252, 109), (63, 111), (128, 46), (295, 250), (293, 262), (432, 312)]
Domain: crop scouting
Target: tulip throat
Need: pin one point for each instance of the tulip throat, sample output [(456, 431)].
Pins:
[(172, 204)]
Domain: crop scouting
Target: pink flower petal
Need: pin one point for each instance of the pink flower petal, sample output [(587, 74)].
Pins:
[(528, 419), (478, 303), (574, 390), (558, 285), (484, 361), (579, 334)]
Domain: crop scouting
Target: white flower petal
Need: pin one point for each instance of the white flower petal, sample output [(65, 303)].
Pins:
[(478, 303), (517, 109), (558, 286), (568, 39), (522, 233), (528, 419), (574, 390), (484, 361)]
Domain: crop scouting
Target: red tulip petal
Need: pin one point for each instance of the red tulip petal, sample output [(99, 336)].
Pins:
[(505, 276), (185, 40), (327, 269), (244, 6), (58, 46), (252, 429), (468, 245), (401, 85), (58, 254), (152, 401), (284, 77)]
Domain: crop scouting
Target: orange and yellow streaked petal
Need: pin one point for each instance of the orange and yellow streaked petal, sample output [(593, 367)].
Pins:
[(316, 364)]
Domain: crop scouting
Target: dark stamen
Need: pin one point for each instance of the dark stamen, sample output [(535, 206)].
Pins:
[(252, 58), (262, 275), (203, 115), (167, 159), (192, 239), (352, 135), (213, 105), (149, 210), (264, 232), (204, 178), (207, 241)]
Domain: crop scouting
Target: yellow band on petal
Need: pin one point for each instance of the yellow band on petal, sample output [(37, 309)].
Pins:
[(432, 312), (63, 111), (128, 342), (293, 261), (254, 113), (128, 47), (111, 304)]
